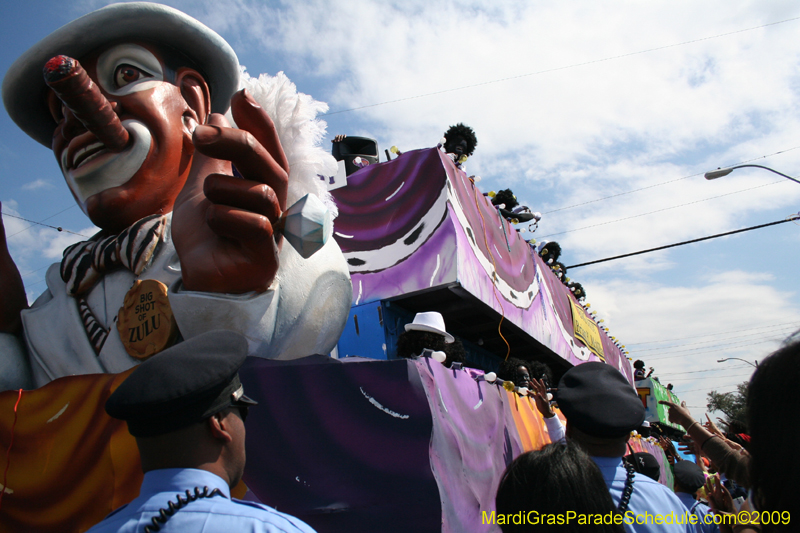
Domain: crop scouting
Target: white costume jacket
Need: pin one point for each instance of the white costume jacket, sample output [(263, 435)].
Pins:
[(303, 313)]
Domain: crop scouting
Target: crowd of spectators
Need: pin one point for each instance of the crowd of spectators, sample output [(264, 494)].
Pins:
[(734, 484), (739, 482)]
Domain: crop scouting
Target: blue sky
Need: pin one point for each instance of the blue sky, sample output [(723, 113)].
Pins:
[(602, 116)]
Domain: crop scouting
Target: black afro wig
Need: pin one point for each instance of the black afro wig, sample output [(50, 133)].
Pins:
[(466, 133)]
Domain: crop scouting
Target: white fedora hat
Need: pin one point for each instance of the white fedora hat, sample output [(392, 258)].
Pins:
[(24, 90), (432, 322)]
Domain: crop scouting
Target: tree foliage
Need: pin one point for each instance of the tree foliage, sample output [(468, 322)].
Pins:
[(731, 404)]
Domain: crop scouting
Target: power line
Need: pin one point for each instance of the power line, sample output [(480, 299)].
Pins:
[(667, 352), (712, 334), (660, 375), (34, 271), (48, 218), (663, 183), (707, 377), (556, 69), (638, 351), (697, 344), (696, 352), (29, 285), (788, 219), (717, 347), (662, 210), (709, 390), (57, 228), (723, 348)]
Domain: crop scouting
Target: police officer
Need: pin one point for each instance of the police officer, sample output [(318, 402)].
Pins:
[(688, 479), (602, 409), (186, 408)]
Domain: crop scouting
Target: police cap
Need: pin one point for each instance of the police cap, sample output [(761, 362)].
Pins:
[(644, 463), (599, 401), (688, 475), (185, 384)]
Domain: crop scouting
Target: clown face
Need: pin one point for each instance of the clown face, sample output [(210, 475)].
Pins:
[(117, 188)]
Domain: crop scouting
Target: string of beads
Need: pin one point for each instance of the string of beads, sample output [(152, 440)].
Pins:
[(172, 508), (628, 490)]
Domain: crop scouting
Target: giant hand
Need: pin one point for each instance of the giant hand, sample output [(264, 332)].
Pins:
[(12, 291), (222, 225)]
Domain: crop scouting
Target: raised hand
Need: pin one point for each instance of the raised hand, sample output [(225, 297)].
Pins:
[(222, 225), (678, 414), (718, 496), (712, 427), (12, 291), (540, 396), (669, 449)]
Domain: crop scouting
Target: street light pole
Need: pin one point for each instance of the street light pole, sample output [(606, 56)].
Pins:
[(714, 174), (738, 359)]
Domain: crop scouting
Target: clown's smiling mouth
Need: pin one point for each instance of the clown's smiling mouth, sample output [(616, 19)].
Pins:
[(90, 167), (87, 153)]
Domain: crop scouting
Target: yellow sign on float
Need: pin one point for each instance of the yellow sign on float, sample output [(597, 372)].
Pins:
[(586, 330)]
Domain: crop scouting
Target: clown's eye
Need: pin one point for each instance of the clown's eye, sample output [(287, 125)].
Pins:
[(126, 74)]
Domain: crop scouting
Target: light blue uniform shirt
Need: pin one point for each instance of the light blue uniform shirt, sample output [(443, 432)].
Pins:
[(215, 514), (701, 510), (649, 498)]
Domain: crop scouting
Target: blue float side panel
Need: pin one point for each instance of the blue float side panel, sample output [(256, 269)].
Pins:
[(364, 335), (394, 320)]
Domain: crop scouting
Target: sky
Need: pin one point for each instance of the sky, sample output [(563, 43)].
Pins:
[(603, 116)]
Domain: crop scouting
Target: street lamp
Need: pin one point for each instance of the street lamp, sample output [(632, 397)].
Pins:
[(738, 359), (714, 174)]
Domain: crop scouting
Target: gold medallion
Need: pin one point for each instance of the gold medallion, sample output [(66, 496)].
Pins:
[(145, 321)]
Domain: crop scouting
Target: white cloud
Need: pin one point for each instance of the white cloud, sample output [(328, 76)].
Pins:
[(681, 329), (37, 184)]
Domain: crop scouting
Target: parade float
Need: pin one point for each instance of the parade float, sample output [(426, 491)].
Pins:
[(651, 391), (346, 436)]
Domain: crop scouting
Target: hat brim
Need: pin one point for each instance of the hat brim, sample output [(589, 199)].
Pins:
[(24, 89), (422, 327), (245, 400)]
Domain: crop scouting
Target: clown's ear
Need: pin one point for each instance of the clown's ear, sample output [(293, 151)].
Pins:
[(195, 92)]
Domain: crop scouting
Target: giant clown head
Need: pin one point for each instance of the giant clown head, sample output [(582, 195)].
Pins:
[(161, 71)]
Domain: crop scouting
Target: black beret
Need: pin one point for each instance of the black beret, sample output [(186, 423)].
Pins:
[(182, 385), (599, 401), (645, 463), (688, 475)]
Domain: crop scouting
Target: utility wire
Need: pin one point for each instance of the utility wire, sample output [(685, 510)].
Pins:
[(640, 350), (782, 331), (57, 228), (713, 334), (662, 210), (695, 352), (40, 222), (788, 219), (703, 349), (714, 377), (663, 183), (707, 370), (556, 69), (715, 390)]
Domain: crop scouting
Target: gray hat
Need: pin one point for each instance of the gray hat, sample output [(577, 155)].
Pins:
[(24, 89), (688, 475), (599, 401), (185, 384)]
